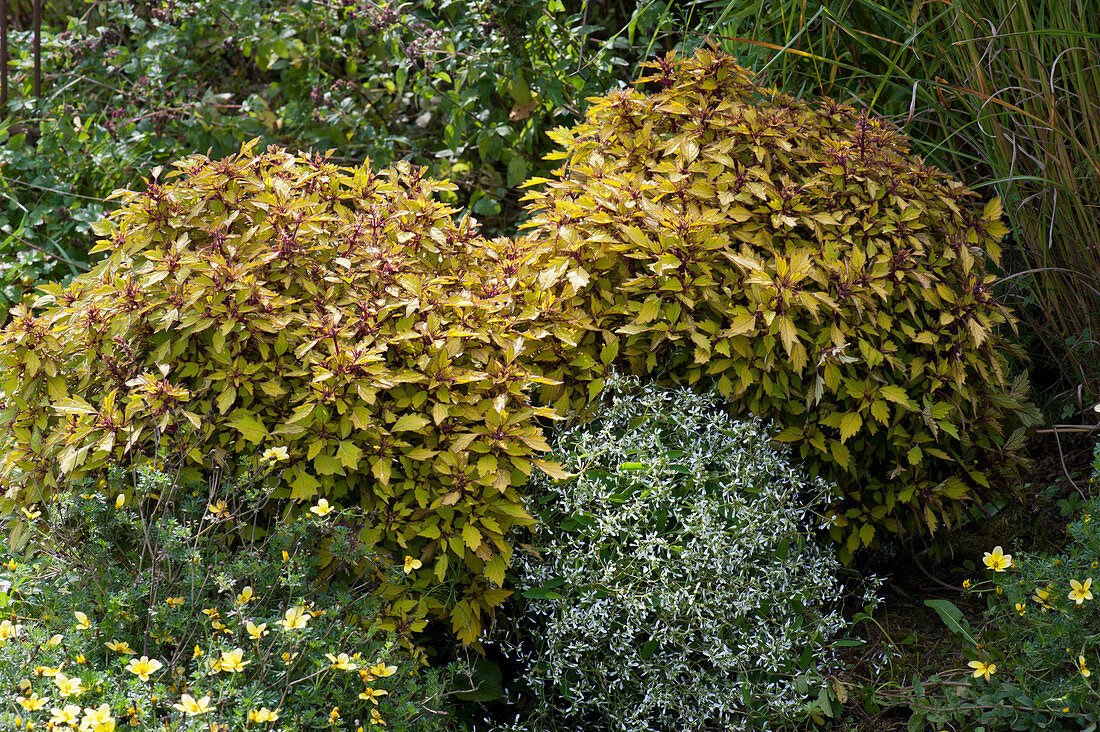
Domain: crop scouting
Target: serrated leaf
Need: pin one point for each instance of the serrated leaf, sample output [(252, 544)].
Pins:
[(552, 469), (651, 308), (410, 423), (250, 427), (349, 454), (850, 424)]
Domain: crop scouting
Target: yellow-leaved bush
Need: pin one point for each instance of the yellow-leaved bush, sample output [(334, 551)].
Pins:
[(799, 257), (279, 301)]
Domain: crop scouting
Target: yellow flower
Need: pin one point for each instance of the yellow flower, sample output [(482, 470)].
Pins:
[(67, 686), (245, 596), (288, 657), (411, 564), (55, 640), (982, 669), (1021, 608), (294, 618), (218, 508), (263, 714), (322, 508), (12, 565), (82, 622), (372, 695), (46, 671), (120, 647), (342, 662), (144, 667), (255, 632), (192, 708), (173, 601), (286, 557), (334, 714), (120, 501), (97, 720), (966, 584), (1080, 592), (997, 560), (233, 661), (80, 658), (1042, 597), (31, 514), (197, 653), (381, 670), (8, 631), (1084, 669), (274, 455), (376, 718), (32, 702), (69, 714)]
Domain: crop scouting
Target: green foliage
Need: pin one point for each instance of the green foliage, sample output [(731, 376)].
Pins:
[(676, 582), (140, 567), (797, 255), (334, 318), (1040, 631), (468, 88)]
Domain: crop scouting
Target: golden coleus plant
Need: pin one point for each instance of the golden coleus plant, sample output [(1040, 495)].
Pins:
[(800, 258), (276, 301)]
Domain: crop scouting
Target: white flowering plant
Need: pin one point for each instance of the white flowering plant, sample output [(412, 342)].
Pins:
[(140, 603), (677, 582)]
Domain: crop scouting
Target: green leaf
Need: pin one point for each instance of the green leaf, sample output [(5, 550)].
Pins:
[(251, 428), (349, 454), (849, 425), (410, 423), (952, 617)]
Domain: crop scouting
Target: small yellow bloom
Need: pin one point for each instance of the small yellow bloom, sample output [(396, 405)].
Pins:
[(1080, 592), (381, 670), (376, 718), (80, 658), (69, 714), (31, 514), (218, 508), (966, 584), (120, 501), (322, 508), (82, 622), (192, 707), (67, 686), (144, 667), (121, 647), (197, 653), (46, 671), (1084, 669), (411, 564), (288, 657), (245, 596), (372, 695), (97, 720), (32, 701), (55, 640), (255, 632), (982, 669), (286, 557), (997, 560), (263, 714), (12, 565), (334, 714), (1021, 608), (233, 661), (8, 630), (342, 662), (294, 618), (274, 455), (173, 601), (1042, 597)]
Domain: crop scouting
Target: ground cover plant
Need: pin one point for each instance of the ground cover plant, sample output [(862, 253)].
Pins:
[(677, 581), (795, 254), (339, 315), (140, 608)]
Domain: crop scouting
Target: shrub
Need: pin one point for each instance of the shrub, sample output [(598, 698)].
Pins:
[(796, 255), (676, 583), (137, 609), (337, 315), (1040, 637)]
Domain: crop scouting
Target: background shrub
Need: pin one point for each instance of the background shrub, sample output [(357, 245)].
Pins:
[(142, 567), (797, 256), (675, 582), (336, 314)]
